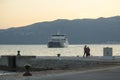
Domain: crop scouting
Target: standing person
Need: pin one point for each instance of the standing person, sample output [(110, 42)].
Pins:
[(18, 53), (85, 49), (87, 52)]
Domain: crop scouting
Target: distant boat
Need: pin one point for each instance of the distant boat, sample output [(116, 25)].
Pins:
[(58, 41)]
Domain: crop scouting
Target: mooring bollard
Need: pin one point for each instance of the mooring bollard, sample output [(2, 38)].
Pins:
[(18, 53), (27, 70), (58, 55)]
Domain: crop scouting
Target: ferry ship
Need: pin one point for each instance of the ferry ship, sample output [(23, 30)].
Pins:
[(58, 41)]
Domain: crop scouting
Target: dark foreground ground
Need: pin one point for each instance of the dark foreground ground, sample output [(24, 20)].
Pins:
[(107, 73)]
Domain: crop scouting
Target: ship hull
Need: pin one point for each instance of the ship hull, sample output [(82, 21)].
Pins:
[(56, 45)]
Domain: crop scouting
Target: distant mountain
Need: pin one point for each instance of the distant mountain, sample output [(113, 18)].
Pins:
[(79, 31)]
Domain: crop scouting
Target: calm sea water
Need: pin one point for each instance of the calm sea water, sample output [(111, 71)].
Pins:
[(42, 50)]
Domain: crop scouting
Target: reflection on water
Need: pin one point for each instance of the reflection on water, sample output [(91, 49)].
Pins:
[(42, 50)]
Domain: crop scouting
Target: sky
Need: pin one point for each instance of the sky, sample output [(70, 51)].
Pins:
[(17, 13)]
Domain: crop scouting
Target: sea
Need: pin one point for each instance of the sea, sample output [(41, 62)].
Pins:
[(71, 50)]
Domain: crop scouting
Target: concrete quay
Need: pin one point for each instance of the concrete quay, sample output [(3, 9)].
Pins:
[(59, 63)]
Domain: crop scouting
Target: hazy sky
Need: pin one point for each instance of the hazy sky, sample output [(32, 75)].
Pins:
[(15, 13)]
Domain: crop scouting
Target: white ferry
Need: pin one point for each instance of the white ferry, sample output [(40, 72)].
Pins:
[(58, 41)]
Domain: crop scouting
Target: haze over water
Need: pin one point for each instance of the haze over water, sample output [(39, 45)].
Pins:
[(42, 50)]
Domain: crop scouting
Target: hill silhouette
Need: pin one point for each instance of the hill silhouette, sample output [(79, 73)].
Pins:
[(79, 31)]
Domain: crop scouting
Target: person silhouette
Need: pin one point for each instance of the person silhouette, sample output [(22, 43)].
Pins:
[(85, 49), (18, 54)]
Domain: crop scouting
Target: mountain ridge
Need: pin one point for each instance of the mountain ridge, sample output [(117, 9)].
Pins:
[(79, 31)]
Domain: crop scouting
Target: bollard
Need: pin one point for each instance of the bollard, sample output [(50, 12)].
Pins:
[(18, 53), (27, 70), (58, 55)]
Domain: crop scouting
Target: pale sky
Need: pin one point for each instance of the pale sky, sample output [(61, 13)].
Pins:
[(16, 13)]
